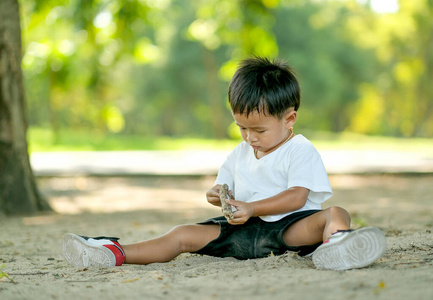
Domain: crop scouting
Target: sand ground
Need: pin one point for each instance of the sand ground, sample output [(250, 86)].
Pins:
[(137, 208)]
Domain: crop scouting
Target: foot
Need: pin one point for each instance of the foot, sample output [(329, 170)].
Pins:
[(82, 251), (350, 249)]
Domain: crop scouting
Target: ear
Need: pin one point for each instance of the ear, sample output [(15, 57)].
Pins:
[(290, 118)]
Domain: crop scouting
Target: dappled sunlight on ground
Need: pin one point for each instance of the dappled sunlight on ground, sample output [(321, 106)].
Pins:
[(379, 200), (385, 200), (105, 195)]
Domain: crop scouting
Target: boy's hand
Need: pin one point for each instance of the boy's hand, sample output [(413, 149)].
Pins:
[(244, 212), (213, 195)]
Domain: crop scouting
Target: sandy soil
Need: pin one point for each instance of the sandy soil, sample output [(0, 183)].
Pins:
[(140, 208)]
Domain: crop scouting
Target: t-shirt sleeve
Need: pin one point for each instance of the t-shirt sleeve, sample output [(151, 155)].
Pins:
[(306, 169)]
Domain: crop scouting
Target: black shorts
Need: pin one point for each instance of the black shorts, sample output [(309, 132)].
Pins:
[(254, 239)]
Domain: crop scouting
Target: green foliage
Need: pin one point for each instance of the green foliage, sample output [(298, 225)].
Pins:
[(161, 67), (4, 274), (318, 45), (359, 223)]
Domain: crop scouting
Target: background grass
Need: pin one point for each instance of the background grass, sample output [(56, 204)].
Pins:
[(42, 140)]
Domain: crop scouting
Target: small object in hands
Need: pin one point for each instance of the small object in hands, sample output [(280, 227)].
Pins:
[(226, 208)]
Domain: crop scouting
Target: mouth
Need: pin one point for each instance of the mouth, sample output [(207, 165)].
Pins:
[(255, 147)]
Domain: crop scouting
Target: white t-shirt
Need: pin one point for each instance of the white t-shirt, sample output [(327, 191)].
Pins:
[(295, 163)]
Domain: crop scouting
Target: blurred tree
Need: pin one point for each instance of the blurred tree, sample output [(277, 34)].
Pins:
[(161, 67), (242, 28), (93, 46), (410, 109), (76, 64), (400, 100), (18, 190), (317, 42)]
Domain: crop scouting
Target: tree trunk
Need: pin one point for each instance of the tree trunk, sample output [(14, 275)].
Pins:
[(18, 190)]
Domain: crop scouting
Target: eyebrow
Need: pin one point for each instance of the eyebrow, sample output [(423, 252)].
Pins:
[(255, 128)]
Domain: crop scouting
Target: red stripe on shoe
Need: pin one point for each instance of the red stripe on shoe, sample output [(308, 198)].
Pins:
[(118, 253), (119, 247)]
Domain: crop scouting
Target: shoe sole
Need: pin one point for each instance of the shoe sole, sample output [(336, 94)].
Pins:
[(358, 249), (80, 253)]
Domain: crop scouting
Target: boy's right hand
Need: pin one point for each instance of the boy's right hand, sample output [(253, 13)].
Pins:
[(213, 195)]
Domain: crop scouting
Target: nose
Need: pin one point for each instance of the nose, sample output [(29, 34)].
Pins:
[(251, 137)]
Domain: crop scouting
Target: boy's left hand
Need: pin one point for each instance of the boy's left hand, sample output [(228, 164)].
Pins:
[(244, 212)]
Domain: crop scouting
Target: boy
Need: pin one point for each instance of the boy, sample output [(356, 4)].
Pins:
[(279, 182)]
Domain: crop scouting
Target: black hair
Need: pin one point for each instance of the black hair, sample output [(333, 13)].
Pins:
[(264, 86)]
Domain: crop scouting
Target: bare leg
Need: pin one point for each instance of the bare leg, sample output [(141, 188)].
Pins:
[(181, 239), (317, 227)]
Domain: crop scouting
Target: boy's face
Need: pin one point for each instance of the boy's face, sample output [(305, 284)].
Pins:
[(265, 133)]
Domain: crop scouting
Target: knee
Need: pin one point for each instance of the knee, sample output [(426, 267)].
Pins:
[(180, 234), (338, 212)]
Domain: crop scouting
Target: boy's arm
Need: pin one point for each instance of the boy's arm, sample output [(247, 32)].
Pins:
[(289, 200)]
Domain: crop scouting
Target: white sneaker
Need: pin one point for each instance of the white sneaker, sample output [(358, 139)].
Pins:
[(350, 249), (82, 251)]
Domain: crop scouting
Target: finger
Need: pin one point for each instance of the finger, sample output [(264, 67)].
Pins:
[(241, 219), (238, 221), (233, 222), (215, 201), (232, 202), (215, 192), (238, 215)]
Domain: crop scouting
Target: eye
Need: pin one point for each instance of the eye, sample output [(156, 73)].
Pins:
[(261, 131)]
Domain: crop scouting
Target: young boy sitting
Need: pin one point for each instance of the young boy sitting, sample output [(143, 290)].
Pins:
[(278, 182)]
